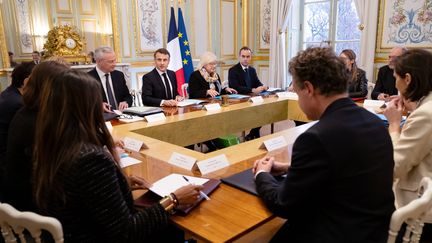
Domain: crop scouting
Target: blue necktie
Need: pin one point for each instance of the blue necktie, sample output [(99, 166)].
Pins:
[(111, 99), (247, 78)]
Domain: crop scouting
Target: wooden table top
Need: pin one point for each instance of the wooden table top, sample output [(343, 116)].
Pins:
[(230, 213)]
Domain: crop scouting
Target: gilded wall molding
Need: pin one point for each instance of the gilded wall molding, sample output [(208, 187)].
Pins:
[(116, 34), (84, 12), (64, 11), (221, 17), (245, 22), (3, 47)]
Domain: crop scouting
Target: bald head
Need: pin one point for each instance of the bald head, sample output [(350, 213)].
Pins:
[(394, 53)]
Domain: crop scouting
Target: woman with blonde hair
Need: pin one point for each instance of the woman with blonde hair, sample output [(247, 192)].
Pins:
[(205, 82)]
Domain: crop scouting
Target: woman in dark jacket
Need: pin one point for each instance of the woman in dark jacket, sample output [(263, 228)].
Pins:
[(205, 82), (357, 85)]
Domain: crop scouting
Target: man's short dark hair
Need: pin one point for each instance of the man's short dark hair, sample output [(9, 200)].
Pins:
[(162, 51), (416, 62), (245, 48), (321, 67), (20, 73), (10, 53)]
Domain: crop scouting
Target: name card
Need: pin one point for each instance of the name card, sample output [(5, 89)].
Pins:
[(182, 161), (287, 95), (128, 161), (274, 143), (155, 117), (213, 164), (257, 99), (373, 103), (133, 144), (212, 107), (109, 126)]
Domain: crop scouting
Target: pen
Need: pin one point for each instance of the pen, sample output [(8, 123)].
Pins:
[(201, 193)]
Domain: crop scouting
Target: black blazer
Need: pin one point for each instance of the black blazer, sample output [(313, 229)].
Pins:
[(236, 79), (339, 185), (385, 83), (121, 91), (198, 86), (153, 90), (358, 88)]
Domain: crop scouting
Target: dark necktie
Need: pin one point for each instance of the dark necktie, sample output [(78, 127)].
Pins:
[(111, 99), (247, 78), (168, 91)]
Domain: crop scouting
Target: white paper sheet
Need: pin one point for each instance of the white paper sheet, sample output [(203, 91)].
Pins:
[(168, 184)]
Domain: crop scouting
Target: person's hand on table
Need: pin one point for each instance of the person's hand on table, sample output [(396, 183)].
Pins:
[(169, 103), (213, 93), (123, 105), (188, 194), (137, 183)]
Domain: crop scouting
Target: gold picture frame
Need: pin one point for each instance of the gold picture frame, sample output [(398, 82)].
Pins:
[(404, 23)]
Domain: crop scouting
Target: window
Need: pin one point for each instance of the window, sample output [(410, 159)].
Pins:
[(333, 22), (323, 22)]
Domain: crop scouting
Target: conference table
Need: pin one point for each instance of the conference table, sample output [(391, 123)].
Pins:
[(231, 213)]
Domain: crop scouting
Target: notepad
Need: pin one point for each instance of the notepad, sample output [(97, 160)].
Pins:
[(150, 198)]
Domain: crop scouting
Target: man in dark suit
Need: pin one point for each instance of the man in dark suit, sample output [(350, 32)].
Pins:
[(159, 87), (385, 86), (10, 102), (244, 79), (338, 187), (115, 93)]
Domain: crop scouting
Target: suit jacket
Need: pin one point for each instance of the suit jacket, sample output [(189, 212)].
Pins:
[(10, 103), (413, 152), (339, 185), (17, 182), (358, 88), (153, 89), (385, 83), (121, 91), (236, 79), (198, 86)]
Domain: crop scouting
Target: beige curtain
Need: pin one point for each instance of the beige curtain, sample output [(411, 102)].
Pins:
[(367, 11), (279, 24)]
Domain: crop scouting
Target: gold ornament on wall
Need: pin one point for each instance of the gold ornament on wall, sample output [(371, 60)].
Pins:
[(65, 41)]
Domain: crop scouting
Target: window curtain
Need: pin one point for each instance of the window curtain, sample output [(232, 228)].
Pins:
[(279, 24), (367, 11)]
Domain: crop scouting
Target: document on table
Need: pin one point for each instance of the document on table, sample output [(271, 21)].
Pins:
[(173, 182)]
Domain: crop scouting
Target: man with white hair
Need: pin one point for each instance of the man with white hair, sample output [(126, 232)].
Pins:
[(385, 85), (115, 93)]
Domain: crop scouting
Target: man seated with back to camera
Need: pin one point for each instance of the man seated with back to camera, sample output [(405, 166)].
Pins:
[(338, 187)]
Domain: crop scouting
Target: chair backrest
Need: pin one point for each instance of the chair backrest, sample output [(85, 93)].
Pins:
[(14, 222), (137, 99), (370, 87), (184, 90), (413, 214)]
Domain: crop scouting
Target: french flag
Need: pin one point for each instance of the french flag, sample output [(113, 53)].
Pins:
[(173, 47)]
